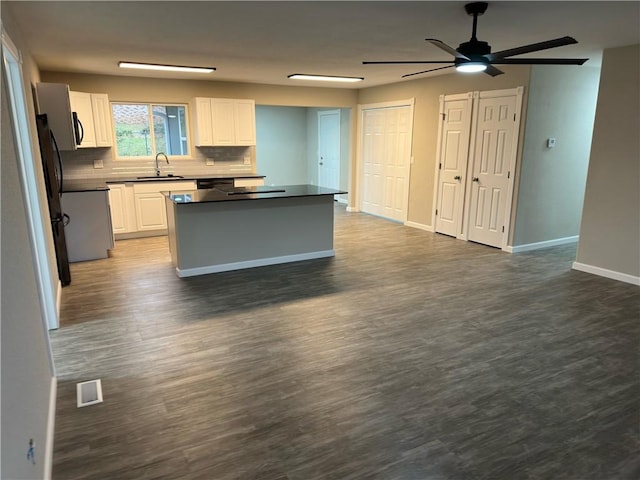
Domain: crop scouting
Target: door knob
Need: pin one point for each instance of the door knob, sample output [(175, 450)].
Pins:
[(457, 177), (476, 179)]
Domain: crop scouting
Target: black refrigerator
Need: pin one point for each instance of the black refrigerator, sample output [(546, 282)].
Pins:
[(53, 178)]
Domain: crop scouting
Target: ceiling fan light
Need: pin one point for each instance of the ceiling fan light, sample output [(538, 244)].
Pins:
[(471, 67)]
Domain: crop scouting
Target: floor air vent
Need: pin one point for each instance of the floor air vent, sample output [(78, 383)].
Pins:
[(89, 393)]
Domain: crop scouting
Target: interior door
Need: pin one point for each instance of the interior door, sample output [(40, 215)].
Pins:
[(452, 164), (329, 148), (386, 156), (373, 143), (493, 151)]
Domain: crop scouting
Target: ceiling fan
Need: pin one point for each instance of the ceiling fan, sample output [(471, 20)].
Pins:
[(475, 55)]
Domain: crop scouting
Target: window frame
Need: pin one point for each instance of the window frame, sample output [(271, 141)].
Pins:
[(150, 106)]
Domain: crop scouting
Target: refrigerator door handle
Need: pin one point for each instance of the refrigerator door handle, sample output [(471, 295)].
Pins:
[(65, 219), (61, 170)]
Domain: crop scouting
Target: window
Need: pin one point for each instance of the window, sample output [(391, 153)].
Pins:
[(144, 130)]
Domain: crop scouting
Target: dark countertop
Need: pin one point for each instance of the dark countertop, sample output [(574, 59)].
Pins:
[(70, 186), (97, 184), (248, 193)]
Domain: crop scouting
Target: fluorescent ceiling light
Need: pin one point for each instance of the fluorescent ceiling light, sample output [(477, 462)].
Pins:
[(168, 68), (324, 78), (471, 67)]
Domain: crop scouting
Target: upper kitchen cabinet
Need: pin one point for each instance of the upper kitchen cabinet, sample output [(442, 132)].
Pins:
[(224, 122), (77, 119), (94, 116)]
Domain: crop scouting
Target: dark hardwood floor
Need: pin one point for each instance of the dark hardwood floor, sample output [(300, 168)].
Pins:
[(408, 356)]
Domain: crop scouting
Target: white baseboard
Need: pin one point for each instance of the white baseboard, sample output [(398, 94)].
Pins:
[(226, 267), (603, 272), (342, 200), (420, 226), (352, 209), (535, 246), (51, 423)]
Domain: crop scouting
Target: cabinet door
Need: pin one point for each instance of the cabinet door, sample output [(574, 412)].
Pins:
[(151, 211), (81, 104), (203, 122), (245, 122), (118, 205), (102, 119), (224, 130)]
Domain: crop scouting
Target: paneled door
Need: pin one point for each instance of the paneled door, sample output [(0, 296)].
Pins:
[(329, 148), (455, 129), (493, 155), (386, 157)]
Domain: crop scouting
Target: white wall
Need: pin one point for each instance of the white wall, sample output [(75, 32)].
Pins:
[(281, 144), (561, 104), (610, 231), (27, 372)]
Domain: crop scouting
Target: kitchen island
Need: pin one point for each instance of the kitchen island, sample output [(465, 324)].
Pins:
[(222, 229)]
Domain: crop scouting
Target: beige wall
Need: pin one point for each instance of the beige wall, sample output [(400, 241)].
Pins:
[(27, 370), (426, 92), (610, 228), (561, 104)]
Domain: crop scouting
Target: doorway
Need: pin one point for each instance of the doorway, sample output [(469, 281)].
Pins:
[(476, 160), (385, 139), (329, 148)]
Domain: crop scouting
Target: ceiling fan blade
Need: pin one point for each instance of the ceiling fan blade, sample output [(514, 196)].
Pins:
[(538, 61), (443, 46), (427, 71), (534, 47), (493, 71), (402, 62)]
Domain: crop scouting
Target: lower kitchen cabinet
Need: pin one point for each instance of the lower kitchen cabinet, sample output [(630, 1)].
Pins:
[(139, 210), (89, 232)]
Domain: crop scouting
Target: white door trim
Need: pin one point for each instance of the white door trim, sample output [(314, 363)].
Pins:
[(360, 157)]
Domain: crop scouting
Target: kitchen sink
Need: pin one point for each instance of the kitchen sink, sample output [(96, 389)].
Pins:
[(161, 177)]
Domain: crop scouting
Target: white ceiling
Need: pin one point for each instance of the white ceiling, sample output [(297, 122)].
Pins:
[(264, 41)]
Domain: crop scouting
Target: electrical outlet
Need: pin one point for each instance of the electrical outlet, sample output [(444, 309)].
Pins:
[(247, 160), (98, 164), (210, 161)]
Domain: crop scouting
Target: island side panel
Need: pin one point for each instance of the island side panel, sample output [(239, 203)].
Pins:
[(171, 230), (223, 236)]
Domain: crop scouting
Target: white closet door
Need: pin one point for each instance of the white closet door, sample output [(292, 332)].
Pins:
[(386, 160), (454, 151), (493, 152)]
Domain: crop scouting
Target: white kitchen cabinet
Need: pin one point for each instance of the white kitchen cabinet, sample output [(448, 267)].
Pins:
[(81, 104), (122, 205), (224, 122), (89, 233), (102, 119), (95, 117), (149, 203)]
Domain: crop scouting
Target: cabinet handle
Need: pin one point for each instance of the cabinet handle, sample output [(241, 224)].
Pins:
[(457, 177), (476, 179)]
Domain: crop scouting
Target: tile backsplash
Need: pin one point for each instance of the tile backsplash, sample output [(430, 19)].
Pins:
[(79, 164)]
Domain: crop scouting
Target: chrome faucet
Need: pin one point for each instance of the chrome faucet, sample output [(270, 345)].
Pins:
[(158, 166)]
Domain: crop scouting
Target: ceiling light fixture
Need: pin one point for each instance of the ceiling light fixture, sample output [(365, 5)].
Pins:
[(471, 67), (168, 68), (324, 78)]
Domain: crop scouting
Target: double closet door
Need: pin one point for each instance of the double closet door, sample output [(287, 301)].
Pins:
[(477, 147)]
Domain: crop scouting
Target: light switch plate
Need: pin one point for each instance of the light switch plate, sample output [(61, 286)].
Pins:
[(247, 160), (210, 161), (98, 164)]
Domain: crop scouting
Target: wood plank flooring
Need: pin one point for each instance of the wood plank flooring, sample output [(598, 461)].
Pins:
[(408, 356)]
